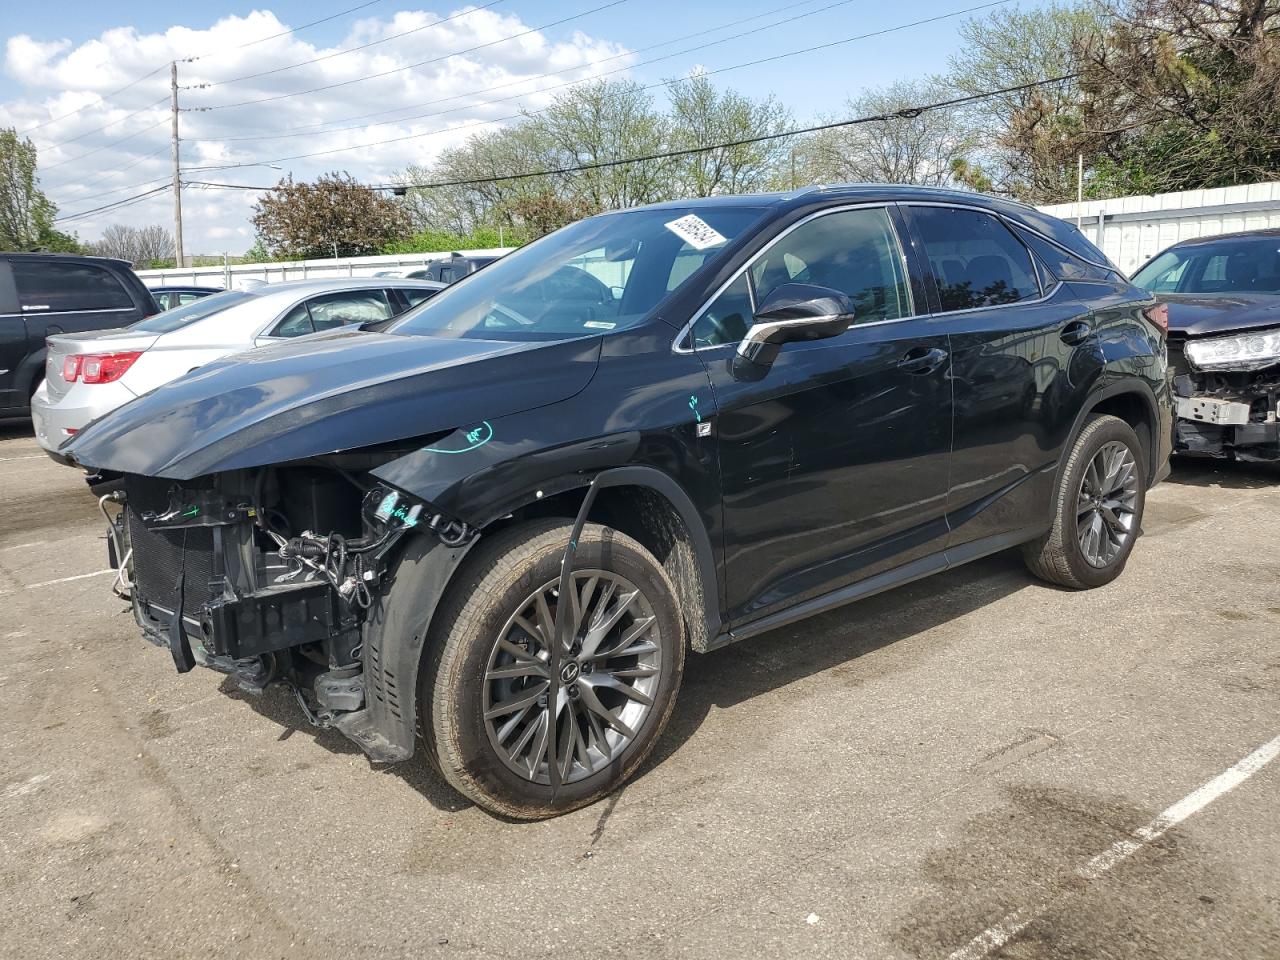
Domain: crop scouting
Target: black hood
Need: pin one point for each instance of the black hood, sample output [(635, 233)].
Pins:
[(326, 393), (1196, 315)]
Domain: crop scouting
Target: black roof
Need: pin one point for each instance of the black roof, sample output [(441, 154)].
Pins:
[(846, 191), (69, 257)]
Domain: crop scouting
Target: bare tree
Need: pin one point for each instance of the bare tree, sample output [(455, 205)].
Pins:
[(139, 245), (702, 116), (906, 146)]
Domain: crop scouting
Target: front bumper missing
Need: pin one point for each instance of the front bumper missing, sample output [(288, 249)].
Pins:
[(1239, 420)]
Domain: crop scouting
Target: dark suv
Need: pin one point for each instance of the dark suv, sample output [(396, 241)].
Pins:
[(497, 525), (48, 293)]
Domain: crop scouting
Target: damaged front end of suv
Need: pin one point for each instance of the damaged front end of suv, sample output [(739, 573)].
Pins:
[(268, 575), (1228, 394), (262, 513)]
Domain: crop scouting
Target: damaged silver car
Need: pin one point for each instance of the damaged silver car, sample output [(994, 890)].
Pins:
[(1223, 298)]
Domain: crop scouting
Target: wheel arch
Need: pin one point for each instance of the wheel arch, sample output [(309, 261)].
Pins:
[(1132, 401), (642, 502)]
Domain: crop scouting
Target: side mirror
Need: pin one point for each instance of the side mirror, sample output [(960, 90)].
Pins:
[(795, 311)]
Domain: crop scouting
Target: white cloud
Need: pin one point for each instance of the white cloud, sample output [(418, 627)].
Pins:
[(83, 167)]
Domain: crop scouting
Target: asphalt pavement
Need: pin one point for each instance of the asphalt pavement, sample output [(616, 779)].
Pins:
[(926, 774)]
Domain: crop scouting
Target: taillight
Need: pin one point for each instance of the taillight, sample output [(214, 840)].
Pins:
[(71, 368), (104, 367), (1159, 315)]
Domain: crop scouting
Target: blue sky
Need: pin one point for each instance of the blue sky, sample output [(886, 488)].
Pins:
[(63, 55)]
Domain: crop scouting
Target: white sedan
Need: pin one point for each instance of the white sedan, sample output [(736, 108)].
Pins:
[(88, 375)]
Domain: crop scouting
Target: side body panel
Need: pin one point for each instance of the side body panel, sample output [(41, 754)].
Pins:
[(1018, 389), (14, 345), (834, 465)]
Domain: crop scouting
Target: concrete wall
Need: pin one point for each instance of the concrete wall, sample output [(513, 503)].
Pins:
[(300, 269), (1135, 229)]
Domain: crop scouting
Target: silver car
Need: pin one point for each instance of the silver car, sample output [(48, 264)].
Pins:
[(88, 375)]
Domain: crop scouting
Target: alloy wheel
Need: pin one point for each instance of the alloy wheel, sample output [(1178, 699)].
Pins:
[(1106, 509), (609, 676)]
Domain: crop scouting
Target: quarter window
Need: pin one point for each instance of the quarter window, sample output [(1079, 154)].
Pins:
[(974, 258), (45, 286), (853, 251)]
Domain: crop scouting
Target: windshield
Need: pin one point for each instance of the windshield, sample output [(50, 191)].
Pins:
[(605, 273), (1242, 265), (179, 317)]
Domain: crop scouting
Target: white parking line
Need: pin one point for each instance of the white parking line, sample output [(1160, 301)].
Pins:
[(38, 456), (82, 576), (1009, 926)]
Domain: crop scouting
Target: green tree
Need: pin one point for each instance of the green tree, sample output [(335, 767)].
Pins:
[(1183, 94), (1031, 136), (26, 214), (334, 216)]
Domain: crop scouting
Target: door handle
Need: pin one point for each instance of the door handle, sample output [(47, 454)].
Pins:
[(1074, 334), (920, 360)]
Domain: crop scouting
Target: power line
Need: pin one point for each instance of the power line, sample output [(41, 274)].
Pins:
[(102, 98), (410, 66), (709, 73), (904, 113), (339, 53), (128, 201), (110, 123), (311, 129), (105, 146), (108, 174), (285, 33)]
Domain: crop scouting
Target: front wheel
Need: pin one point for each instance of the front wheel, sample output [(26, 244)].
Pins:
[(484, 690), (1097, 508)]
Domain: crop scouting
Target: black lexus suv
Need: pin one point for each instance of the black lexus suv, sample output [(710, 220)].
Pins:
[(497, 525)]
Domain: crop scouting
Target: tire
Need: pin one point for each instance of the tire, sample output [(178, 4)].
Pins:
[(1065, 556), (461, 700)]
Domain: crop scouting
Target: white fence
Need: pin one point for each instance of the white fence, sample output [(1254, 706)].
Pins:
[(228, 276), (1132, 230)]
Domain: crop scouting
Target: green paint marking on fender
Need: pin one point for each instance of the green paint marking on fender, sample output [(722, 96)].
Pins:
[(192, 512), (476, 437), (693, 405)]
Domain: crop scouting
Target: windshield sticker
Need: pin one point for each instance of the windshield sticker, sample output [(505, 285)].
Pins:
[(599, 325), (696, 232), (475, 437)]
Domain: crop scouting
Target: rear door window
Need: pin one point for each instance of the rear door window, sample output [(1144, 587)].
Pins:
[(53, 287), (333, 310), (416, 295), (975, 260)]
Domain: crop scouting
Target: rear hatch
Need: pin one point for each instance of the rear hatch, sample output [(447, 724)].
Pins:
[(64, 345)]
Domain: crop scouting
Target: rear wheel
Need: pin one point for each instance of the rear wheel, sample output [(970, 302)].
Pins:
[(484, 692), (1097, 510)]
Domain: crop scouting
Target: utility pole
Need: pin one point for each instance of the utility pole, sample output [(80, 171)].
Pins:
[(177, 167), (1079, 186)]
